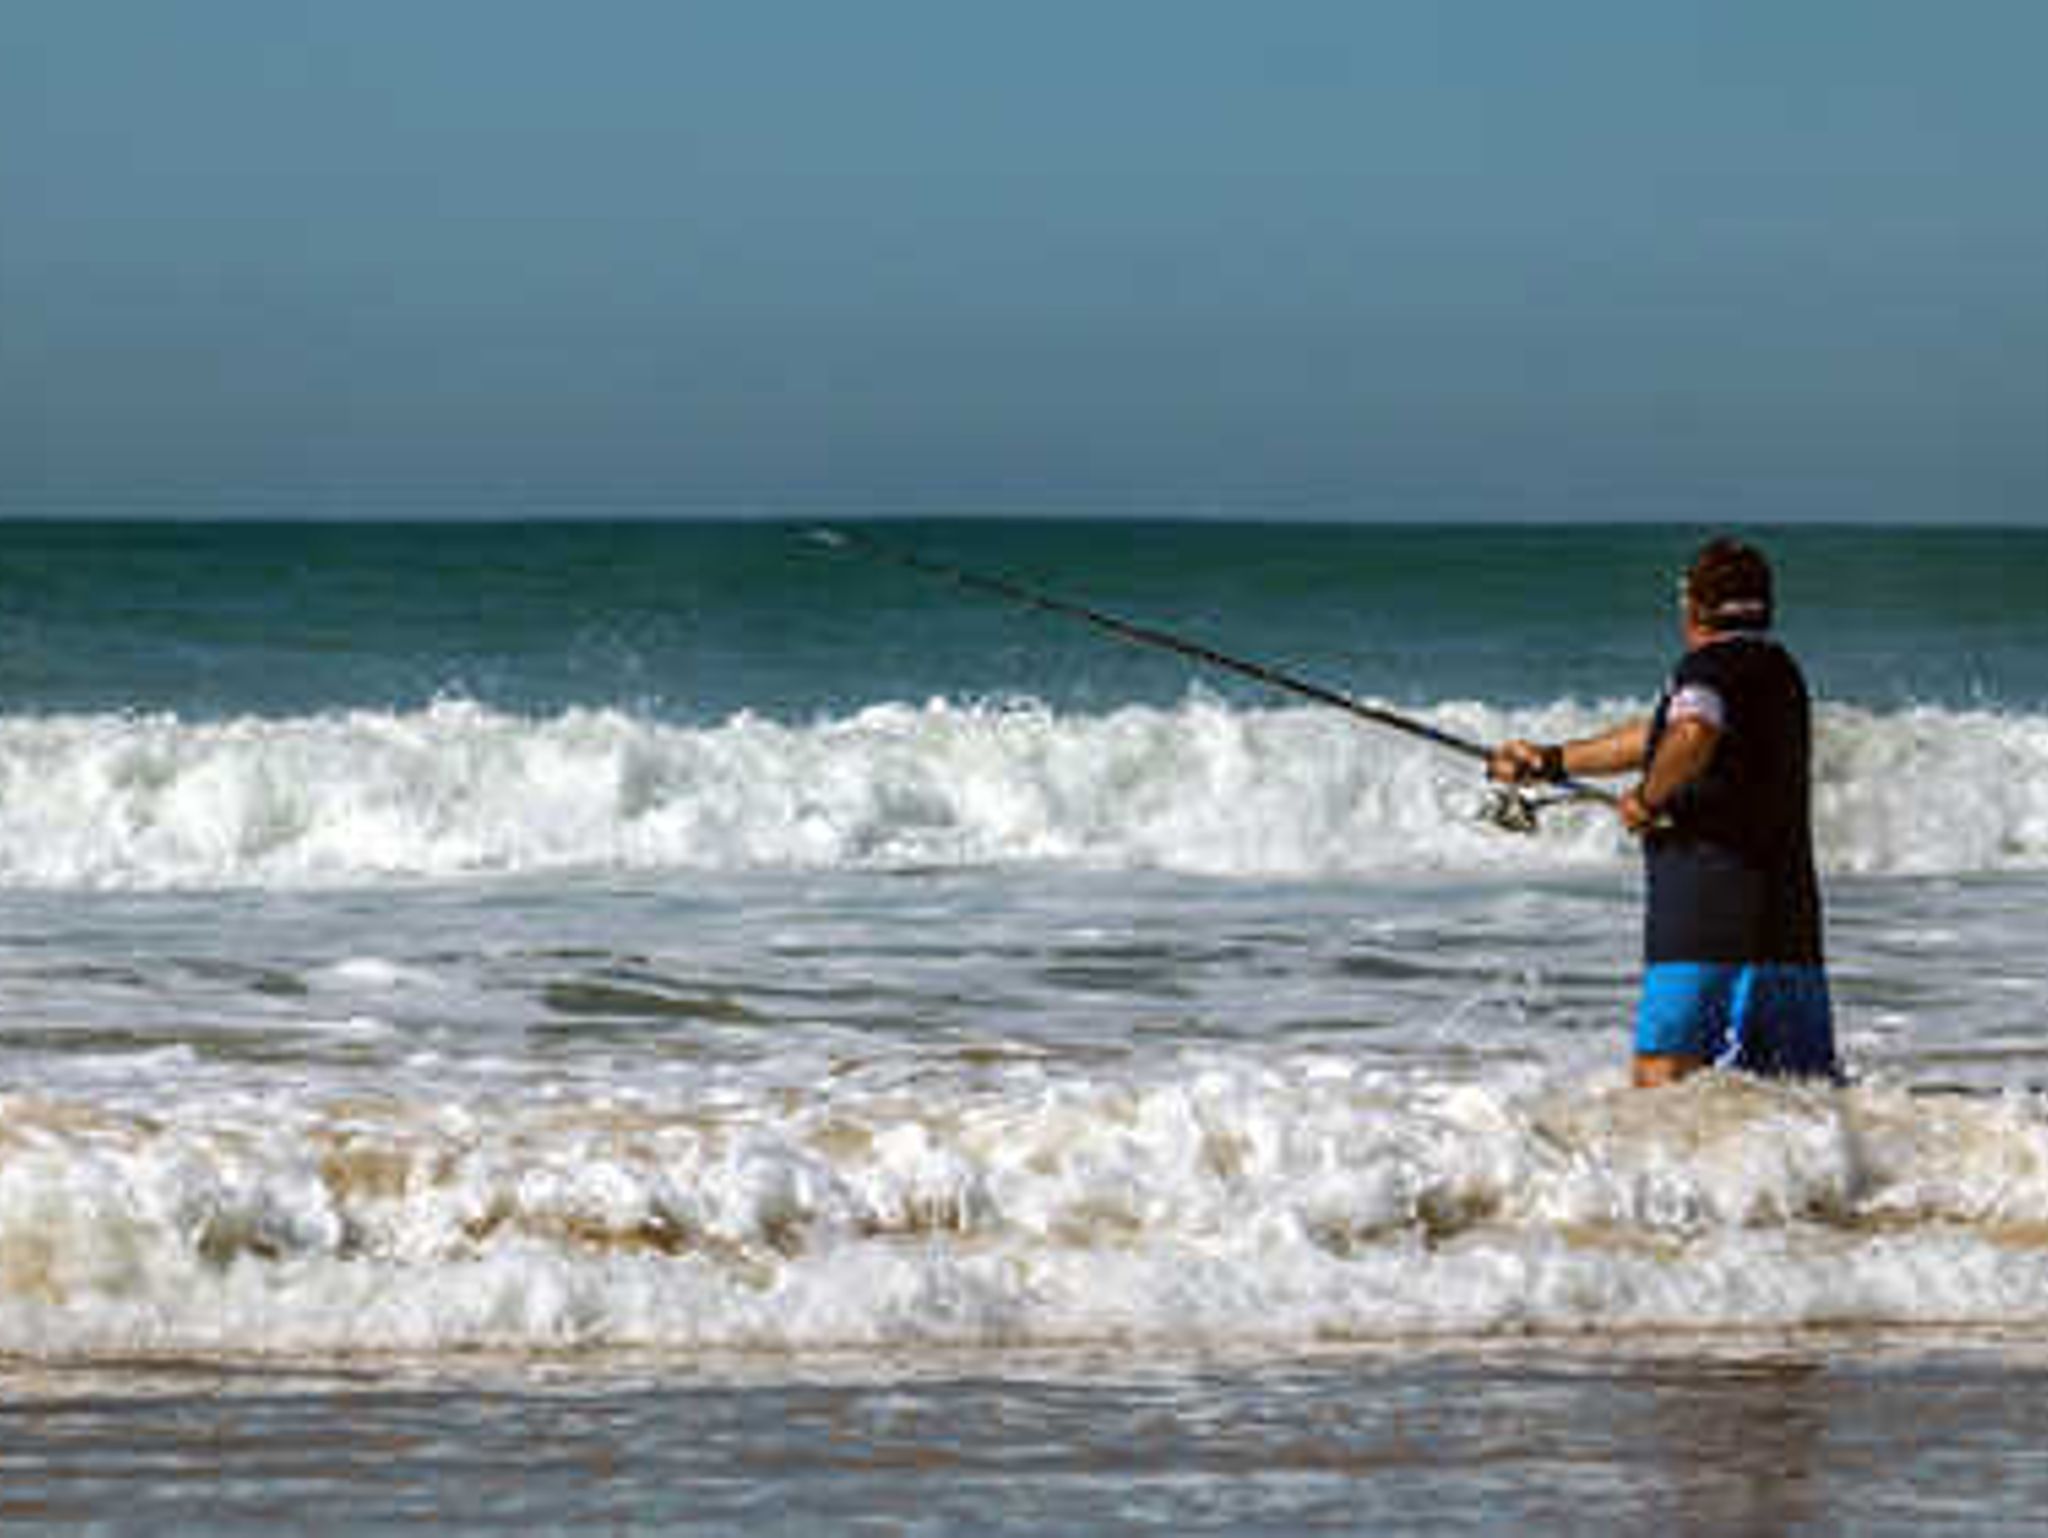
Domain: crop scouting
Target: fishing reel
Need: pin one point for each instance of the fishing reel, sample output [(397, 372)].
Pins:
[(1511, 808), (1518, 809)]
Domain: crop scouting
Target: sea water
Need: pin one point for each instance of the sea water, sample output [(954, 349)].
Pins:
[(706, 974)]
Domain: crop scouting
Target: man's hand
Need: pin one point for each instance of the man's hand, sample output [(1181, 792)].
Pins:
[(1636, 813), (1517, 762)]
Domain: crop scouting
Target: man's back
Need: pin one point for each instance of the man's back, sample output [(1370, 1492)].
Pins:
[(1732, 878)]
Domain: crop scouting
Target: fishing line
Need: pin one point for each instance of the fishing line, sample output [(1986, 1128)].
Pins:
[(1512, 807)]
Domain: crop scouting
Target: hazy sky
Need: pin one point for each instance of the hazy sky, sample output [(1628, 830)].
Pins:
[(1426, 257)]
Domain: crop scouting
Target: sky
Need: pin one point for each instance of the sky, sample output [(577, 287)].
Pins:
[(1419, 258)]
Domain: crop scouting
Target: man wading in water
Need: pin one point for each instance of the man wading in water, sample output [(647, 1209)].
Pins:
[(1733, 973)]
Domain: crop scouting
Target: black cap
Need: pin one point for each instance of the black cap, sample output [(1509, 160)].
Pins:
[(1729, 584)]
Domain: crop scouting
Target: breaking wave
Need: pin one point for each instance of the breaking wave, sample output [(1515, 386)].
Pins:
[(1280, 1202), (457, 790)]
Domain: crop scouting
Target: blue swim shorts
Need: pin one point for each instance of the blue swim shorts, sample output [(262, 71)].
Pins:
[(1763, 1017)]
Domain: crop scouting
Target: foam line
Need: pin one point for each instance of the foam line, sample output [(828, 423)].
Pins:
[(458, 790)]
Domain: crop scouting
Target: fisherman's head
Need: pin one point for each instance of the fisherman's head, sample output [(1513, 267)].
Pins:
[(1727, 588)]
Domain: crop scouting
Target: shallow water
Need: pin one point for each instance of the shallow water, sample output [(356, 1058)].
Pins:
[(811, 1112), (1818, 1436)]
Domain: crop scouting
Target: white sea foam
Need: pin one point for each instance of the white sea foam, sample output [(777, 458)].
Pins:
[(148, 802), (1234, 1202)]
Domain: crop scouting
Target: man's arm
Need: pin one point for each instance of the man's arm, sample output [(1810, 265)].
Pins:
[(1615, 751), (1683, 753)]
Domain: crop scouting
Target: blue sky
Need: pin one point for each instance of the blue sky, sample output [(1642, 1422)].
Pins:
[(1630, 259)]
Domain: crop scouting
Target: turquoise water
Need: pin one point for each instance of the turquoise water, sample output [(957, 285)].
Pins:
[(696, 621)]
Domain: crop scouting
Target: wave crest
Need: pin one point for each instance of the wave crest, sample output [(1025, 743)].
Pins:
[(1206, 787), (1227, 1204)]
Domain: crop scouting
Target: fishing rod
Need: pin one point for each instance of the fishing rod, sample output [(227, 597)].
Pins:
[(1512, 807)]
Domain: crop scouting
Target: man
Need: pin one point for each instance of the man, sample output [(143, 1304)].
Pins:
[(1733, 973)]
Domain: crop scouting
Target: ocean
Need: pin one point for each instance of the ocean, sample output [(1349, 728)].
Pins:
[(682, 1027)]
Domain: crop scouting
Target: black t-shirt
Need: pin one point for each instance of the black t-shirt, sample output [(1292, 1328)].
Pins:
[(1732, 878)]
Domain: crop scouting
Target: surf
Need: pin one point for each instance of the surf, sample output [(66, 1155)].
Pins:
[(1206, 787), (1227, 1202)]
